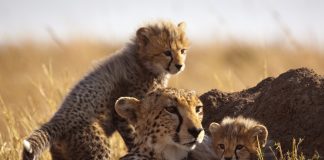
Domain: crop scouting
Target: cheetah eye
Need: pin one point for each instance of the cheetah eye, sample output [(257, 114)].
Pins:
[(167, 53), (183, 51), (238, 147), (221, 146), (171, 109), (199, 109)]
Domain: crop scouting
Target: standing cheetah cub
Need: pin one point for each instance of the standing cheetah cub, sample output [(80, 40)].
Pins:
[(167, 124), (86, 118), (236, 138)]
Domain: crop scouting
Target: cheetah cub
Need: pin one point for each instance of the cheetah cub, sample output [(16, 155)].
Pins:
[(237, 138), (86, 118), (167, 124)]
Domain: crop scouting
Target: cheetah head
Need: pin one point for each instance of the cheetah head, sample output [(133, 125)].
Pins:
[(162, 47), (237, 138), (165, 118)]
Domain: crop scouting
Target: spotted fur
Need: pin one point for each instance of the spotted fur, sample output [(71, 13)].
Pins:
[(86, 118), (237, 138), (167, 124)]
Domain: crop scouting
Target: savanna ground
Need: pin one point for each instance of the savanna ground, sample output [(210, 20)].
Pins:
[(35, 76)]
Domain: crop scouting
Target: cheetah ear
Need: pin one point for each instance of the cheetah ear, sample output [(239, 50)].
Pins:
[(142, 36), (259, 132), (181, 30), (127, 107), (182, 26), (214, 128)]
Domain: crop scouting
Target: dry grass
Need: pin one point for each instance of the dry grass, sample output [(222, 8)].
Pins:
[(293, 154), (34, 77)]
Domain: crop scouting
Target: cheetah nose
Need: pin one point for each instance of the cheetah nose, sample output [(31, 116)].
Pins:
[(195, 131), (228, 158), (178, 66)]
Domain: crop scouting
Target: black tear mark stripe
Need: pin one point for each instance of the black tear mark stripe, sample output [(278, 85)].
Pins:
[(223, 153), (180, 120), (236, 156), (170, 62)]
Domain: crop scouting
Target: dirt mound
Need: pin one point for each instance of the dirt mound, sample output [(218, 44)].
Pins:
[(291, 106)]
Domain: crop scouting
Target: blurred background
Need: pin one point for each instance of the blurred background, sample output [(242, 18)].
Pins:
[(47, 46)]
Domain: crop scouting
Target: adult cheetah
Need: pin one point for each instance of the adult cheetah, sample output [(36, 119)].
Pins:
[(79, 129), (167, 124)]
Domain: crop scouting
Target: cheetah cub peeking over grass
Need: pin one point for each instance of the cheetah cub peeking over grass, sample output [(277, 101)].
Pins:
[(237, 138), (167, 124), (86, 118)]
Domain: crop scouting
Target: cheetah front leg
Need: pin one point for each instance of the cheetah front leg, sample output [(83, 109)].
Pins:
[(57, 151), (119, 124), (126, 131), (89, 142)]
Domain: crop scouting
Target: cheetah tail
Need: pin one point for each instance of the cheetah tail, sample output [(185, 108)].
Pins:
[(33, 146)]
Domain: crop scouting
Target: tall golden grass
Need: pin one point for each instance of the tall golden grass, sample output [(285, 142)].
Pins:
[(35, 76)]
